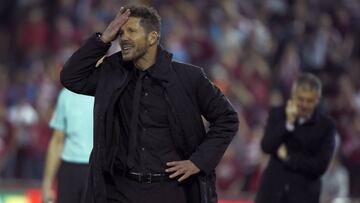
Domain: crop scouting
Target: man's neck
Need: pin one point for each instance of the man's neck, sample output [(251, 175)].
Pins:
[(147, 60), (305, 118)]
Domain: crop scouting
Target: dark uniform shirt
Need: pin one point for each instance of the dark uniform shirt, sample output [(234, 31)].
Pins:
[(152, 144)]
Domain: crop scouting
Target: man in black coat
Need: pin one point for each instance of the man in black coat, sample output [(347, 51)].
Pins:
[(150, 144), (300, 141)]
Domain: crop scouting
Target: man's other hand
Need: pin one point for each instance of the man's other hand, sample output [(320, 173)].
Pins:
[(184, 168), (282, 152)]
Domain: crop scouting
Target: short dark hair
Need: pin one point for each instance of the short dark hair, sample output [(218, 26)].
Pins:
[(150, 18), (310, 81)]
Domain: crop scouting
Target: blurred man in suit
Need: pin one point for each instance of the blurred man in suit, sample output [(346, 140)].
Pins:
[(300, 141)]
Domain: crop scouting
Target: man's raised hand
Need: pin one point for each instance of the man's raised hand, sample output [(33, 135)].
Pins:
[(112, 29)]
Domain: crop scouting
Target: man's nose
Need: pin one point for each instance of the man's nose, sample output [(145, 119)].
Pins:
[(124, 37), (302, 106)]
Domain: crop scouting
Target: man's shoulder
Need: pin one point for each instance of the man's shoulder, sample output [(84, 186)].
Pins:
[(70, 98), (326, 120), (180, 66), (188, 73), (113, 59), (64, 94)]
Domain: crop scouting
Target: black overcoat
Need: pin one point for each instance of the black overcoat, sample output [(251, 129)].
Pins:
[(310, 147), (190, 96)]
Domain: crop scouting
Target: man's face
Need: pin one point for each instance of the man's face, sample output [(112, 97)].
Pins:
[(133, 40), (306, 100)]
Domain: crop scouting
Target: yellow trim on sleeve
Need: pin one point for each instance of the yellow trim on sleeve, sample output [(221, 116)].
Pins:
[(99, 62)]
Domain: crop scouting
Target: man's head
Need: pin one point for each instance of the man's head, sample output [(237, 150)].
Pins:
[(306, 93), (141, 33)]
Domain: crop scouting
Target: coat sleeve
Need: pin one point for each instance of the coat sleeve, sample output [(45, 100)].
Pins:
[(80, 73), (275, 132), (223, 119), (316, 164)]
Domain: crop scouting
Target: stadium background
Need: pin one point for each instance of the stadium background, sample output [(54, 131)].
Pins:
[(252, 50)]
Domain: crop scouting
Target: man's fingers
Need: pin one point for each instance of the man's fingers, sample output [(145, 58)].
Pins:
[(113, 28), (121, 19), (184, 168), (185, 176), (127, 12), (121, 11), (177, 173), (174, 163), (174, 175), (124, 15), (172, 169)]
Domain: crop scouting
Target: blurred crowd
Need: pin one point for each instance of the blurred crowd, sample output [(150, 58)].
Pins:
[(251, 49)]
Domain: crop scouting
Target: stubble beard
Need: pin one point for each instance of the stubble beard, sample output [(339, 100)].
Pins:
[(138, 53)]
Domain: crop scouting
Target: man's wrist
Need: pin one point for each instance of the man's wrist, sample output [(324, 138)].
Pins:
[(100, 38)]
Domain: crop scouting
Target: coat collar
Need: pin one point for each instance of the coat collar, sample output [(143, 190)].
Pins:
[(160, 71), (162, 68)]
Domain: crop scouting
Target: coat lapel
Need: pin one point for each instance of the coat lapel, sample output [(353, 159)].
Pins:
[(181, 102)]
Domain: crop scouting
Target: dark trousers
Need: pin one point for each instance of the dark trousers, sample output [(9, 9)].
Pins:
[(123, 190), (72, 179)]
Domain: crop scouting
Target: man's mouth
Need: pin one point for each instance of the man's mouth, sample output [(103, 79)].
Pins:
[(126, 47)]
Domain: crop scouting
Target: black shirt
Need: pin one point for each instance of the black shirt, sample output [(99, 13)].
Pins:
[(153, 145)]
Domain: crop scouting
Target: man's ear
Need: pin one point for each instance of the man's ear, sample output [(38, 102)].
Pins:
[(153, 37)]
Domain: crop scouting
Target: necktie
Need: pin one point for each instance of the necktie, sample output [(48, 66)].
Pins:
[(133, 139)]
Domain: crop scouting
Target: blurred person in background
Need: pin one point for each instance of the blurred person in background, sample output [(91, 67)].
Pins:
[(346, 112), (300, 141), (335, 183), (69, 148), (150, 144), (22, 162), (7, 141)]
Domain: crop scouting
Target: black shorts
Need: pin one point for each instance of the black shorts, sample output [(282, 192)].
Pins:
[(72, 179)]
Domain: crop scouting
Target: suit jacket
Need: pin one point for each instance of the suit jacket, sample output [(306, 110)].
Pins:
[(190, 96), (310, 147)]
